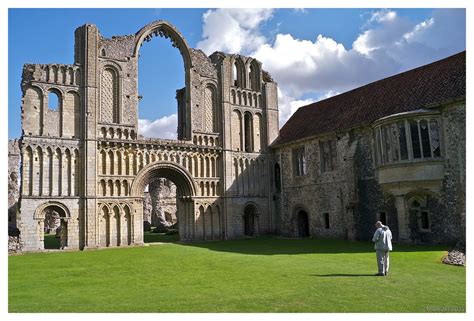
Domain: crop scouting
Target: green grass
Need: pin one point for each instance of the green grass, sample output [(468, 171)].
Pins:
[(150, 237), (256, 275), (51, 242)]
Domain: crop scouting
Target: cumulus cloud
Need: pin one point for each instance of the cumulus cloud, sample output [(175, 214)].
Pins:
[(388, 44), (164, 127), (233, 30)]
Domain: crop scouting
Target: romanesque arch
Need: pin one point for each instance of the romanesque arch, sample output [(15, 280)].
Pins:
[(164, 29), (185, 191), (89, 157)]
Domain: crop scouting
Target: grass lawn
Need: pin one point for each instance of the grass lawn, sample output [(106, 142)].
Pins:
[(51, 242), (150, 237), (256, 275)]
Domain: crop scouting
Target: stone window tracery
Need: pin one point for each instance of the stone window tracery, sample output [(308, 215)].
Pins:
[(408, 140), (299, 161)]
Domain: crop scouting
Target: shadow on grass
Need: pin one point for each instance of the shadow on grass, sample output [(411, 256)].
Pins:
[(341, 275), (150, 237), (272, 245)]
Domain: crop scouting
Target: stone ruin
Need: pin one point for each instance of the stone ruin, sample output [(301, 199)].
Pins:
[(159, 207)]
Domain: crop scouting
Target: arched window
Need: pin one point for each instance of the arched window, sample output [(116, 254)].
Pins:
[(254, 76), (238, 74), (54, 103)]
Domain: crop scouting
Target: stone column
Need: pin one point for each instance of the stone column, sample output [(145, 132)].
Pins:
[(402, 216)]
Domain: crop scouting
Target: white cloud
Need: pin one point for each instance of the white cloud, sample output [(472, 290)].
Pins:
[(388, 44), (233, 30), (288, 104), (302, 66), (164, 127)]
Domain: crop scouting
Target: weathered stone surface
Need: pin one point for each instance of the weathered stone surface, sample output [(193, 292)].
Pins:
[(14, 244), (13, 181), (86, 161)]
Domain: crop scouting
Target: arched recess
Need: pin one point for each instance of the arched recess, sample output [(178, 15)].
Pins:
[(72, 114), (164, 29), (110, 95), (254, 76), (211, 112), (179, 175), (248, 132), (33, 107), (250, 219), (238, 72), (64, 216), (301, 219), (185, 191)]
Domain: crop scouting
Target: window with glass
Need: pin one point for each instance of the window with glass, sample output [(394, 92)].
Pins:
[(408, 140), (299, 161)]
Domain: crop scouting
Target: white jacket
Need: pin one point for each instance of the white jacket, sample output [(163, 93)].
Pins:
[(383, 239)]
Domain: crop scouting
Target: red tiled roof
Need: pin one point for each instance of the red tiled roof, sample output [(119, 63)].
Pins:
[(435, 83)]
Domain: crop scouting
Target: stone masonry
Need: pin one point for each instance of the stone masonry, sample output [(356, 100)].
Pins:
[(84, 160), (393, 150)]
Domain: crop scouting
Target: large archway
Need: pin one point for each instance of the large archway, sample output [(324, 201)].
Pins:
[(164, 29), (53, 219), (185, 191)]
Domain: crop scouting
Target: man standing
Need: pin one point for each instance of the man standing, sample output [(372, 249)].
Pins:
[(383, 245)]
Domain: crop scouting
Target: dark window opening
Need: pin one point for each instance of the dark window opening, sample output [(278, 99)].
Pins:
[(250, 213), (383, 218), (277, 177), (425, 221), (415, 139), (303, 224), (326, 221)]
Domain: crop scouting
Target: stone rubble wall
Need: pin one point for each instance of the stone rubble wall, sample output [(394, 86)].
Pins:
[(159, 207), (13, 180)]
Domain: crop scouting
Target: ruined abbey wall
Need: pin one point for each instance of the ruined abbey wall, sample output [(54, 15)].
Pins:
[(84, 158)]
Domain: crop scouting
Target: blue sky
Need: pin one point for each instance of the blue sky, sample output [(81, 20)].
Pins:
[(311, 53)]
